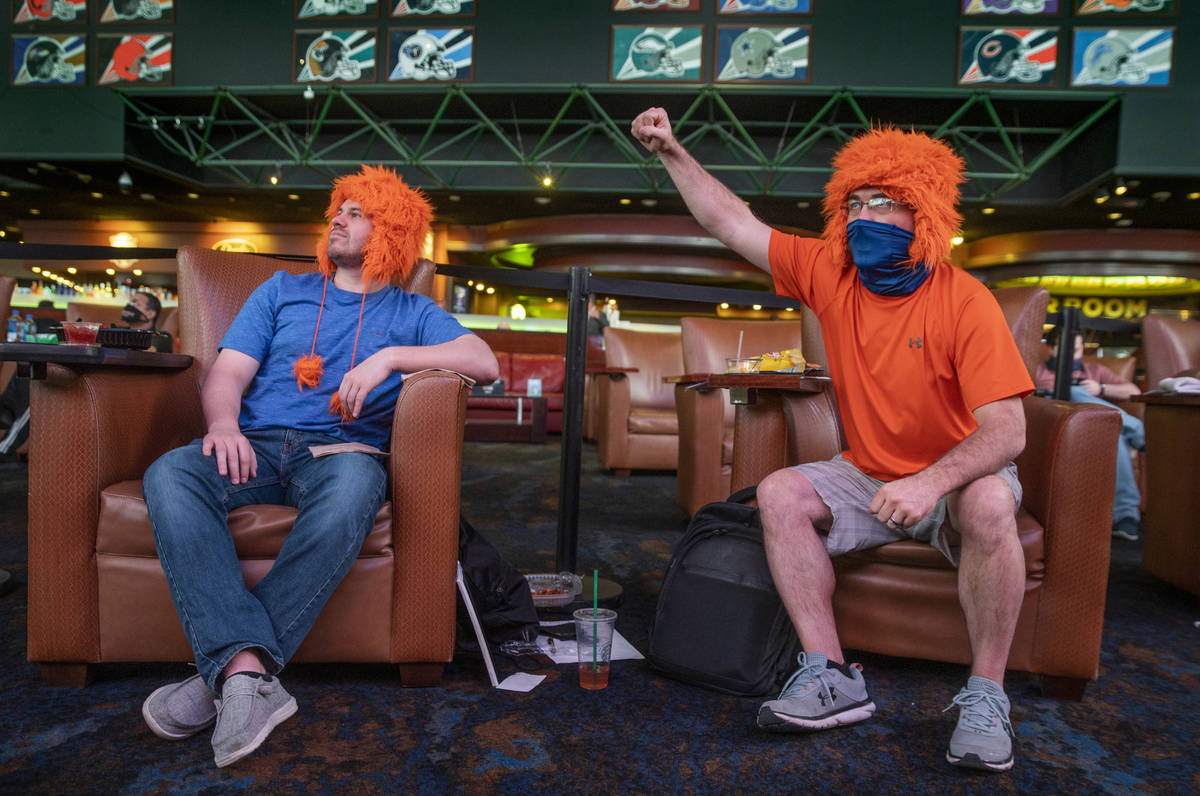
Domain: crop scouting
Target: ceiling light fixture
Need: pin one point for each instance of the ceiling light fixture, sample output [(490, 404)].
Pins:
[(1101, 196), (1124, 222), (309, 94), (987, 211), (125, 182), (1120, 188), (153, 122), (1194, 195), (275, 175)]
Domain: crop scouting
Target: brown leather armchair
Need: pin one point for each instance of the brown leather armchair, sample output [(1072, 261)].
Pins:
[(96, 590), (706, 416), (1170, 346), (638, 429), (902, 598)]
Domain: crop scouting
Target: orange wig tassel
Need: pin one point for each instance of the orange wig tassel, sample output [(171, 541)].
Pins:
[(308, 370)]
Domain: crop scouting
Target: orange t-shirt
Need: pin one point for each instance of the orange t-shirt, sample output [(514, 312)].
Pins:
[(908, 371)]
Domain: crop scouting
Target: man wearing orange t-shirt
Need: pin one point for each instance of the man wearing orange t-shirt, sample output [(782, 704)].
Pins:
[(928, 382)]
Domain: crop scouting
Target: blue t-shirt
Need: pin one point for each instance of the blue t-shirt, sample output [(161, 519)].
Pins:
[(276, 327)]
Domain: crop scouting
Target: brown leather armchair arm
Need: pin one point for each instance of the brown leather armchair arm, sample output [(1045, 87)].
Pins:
[(701, 436), (782, 429), (89, 430), (1068, 472), (425, 466), (612, 435)]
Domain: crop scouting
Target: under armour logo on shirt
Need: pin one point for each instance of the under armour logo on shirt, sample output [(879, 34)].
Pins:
[(914, 342)]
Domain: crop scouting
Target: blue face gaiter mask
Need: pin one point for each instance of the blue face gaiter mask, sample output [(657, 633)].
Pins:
[(876, 249)]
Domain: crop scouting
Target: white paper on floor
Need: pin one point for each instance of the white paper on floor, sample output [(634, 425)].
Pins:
[(563, 651)]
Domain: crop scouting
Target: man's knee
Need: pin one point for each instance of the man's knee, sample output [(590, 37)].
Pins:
[(984, 508), (356, 475), (787, 493)]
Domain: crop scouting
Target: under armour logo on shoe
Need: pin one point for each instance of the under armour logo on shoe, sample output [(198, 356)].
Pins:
[(832, 697), (914, 342)]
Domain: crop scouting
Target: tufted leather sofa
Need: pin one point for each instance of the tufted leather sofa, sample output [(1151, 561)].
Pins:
[(902, 598), (706, 416), (637, 428), (96, 590)]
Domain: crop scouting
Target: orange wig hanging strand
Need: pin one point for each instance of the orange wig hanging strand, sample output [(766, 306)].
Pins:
[(335, 402)]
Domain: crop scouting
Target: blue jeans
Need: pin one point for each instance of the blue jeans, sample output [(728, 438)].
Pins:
[(338, 497), (1127, 498)]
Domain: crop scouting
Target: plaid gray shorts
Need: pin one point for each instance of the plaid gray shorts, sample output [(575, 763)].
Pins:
[(847, 491)]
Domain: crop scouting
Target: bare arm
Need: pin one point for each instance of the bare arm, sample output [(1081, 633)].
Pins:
[(712, 204), (221, 400), (997, 441), (467, 355)]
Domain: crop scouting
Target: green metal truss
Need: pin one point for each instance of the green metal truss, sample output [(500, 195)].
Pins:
[(760, 141)]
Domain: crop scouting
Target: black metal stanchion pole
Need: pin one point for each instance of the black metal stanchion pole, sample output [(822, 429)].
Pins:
[(1068, 327), (572, 433)]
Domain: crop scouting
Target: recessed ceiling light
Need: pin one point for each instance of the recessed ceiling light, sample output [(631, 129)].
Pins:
[(193, 195), (33, 211), (295, 197), (803, 205), (987, 211), (454, 197), (1193, 195), (625, 201), (1113, 216), (649, 202), (6, 194), (542, 200), (97, 195), (1124, 222)]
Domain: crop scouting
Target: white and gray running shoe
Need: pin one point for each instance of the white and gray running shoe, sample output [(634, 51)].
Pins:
[(982, 738), (819, 696)]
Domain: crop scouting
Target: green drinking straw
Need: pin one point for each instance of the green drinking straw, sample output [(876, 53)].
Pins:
[(595, 609)]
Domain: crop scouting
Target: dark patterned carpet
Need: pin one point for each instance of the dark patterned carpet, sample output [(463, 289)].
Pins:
[(1136, 730)]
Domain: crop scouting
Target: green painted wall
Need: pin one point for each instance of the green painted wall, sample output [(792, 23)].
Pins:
[(855, 43)]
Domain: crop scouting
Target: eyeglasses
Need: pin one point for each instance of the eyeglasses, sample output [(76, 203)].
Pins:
[(879, 205)]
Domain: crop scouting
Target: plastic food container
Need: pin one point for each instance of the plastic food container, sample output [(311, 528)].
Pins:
[(550, 591), (743, 365)]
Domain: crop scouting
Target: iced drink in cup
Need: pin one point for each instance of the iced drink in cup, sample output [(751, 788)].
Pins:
[(80, 332), (593, 639)]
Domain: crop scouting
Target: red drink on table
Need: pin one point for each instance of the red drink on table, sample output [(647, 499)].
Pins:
[(80, 332), (593, 677)]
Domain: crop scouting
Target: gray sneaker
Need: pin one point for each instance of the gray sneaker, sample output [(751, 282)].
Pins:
[(180, 710), (249, 708), (817, 697), (982, 738)]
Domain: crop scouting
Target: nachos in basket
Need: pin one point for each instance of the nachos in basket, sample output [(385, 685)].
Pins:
[(789, 359)]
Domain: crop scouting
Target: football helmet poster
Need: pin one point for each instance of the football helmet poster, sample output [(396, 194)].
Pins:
[(326, 56), (50, 11), (310, 9), (655, 5), (764, 6), (427, 8), (1126, 8), (49, 60), (1122, 57), (140, 58), (1011, 56), (657, 54), (430, 54), (762, 54), (1021, 7), (137, 10)]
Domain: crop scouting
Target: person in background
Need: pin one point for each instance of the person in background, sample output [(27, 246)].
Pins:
[(1094, 383), (597, 320), (311, 360), (143, 312), (929, 385)]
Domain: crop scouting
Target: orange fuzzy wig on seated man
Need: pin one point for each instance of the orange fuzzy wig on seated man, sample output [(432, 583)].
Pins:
[(400, 218), (913, 168)]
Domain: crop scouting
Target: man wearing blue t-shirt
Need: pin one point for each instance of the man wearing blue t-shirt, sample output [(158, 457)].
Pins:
[(310, 360)]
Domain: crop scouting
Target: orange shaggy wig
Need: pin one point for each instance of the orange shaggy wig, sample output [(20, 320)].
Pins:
[(913, 168), (400, 218)]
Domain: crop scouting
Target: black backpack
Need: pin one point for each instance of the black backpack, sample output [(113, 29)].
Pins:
[(500, 594), (719, 621)]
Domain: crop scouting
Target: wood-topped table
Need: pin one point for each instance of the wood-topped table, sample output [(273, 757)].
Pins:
[(743, 387), (32, 358)]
